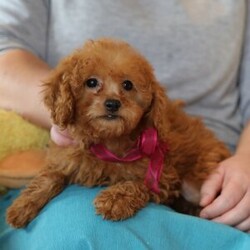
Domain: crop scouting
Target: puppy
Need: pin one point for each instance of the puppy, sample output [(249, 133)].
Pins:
[(130, 137)]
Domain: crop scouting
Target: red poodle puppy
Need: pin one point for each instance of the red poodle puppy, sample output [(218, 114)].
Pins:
[(130, 137)]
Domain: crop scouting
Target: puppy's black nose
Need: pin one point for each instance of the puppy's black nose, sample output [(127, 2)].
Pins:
[(112, 105)]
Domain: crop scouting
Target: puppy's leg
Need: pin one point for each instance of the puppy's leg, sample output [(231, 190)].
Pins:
[(122, 200), (41, 190)]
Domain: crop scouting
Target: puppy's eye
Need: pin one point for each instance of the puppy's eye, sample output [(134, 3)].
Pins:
[(92, 83), (127, 85)]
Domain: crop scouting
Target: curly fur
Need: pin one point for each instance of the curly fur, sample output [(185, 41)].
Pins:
[(194, 150)]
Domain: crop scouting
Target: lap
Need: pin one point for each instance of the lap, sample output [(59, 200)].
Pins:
[(69, 222)]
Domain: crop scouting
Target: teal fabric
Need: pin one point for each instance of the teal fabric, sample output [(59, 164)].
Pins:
[(69, 222)]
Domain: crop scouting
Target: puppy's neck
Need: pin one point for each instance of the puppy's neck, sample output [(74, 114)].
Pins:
[(119, 146)]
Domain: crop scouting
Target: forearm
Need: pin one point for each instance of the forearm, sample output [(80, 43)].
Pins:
[(21, 75)]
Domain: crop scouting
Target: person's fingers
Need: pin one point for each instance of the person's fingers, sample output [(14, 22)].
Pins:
[(244, 225), (237, 214), (231, 194), (211, 187), (60, 137)]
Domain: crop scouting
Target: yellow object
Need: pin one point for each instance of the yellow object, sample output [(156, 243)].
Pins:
[(17, 134), (22, 149)]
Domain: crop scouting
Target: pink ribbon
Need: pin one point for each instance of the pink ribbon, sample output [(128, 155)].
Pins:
[(147, 145)]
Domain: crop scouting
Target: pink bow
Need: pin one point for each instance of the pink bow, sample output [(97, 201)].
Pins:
[(147, 145)]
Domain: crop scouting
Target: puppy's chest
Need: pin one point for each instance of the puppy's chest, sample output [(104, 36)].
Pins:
[(94, 172)]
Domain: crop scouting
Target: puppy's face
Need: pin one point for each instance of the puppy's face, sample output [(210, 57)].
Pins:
[(102, 90)]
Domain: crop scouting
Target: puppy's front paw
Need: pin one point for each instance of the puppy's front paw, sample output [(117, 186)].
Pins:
[(120, 202), (113, 206), (19, 214)]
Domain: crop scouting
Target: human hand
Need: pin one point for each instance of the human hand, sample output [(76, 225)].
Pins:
[(225, 196), (61, 137)]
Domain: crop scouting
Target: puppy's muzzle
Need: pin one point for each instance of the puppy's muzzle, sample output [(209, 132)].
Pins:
[(112, 105)]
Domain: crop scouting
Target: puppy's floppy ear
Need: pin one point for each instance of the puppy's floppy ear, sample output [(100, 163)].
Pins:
[(160, 109), (58, 97)]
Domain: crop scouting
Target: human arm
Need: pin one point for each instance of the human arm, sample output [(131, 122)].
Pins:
[(21, 74), (232, 183), (23, 50)]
